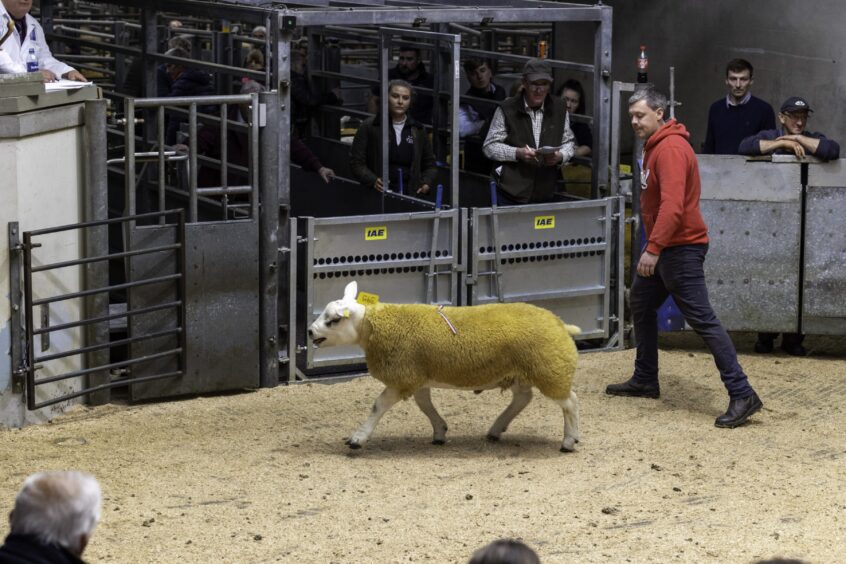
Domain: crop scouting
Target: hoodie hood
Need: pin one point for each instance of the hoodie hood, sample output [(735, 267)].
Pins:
[(670, 128)]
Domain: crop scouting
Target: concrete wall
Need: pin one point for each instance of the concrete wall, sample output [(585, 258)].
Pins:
[(42, 183), (797, 48)]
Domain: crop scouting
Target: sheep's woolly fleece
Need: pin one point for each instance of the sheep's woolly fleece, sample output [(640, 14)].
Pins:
[(409, 344)]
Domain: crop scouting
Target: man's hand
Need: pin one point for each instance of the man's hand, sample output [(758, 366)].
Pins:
[(785, 143), (379, 185), (49, 76), (423, 189), (527, 155), (326, 173), (809, 144), (792, 145), (553, 159), (75, 75), (646, 264)]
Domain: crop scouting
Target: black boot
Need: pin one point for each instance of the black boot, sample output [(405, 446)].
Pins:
[(791, 343), (739, 410), (634, 389), (764, 344)]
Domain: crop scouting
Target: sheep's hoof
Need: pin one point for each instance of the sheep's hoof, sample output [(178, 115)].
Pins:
[(569, 445), (492, 438), (477, 392), (353, 446), (439, 442)]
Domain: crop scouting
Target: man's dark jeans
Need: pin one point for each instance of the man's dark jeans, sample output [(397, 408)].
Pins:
[(679, 273)]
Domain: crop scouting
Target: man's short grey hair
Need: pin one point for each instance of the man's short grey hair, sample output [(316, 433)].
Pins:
[(652, 97), (57, 508)]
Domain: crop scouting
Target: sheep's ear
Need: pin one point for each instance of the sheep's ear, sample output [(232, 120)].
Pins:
[(351, 291)]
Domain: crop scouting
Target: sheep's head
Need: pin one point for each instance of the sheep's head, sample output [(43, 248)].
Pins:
[(340, 321)]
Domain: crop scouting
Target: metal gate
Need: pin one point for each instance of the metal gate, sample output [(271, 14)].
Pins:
[(562, 257), (401, 258), (222, 273), (66, 364)]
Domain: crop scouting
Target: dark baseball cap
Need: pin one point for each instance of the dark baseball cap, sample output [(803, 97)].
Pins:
[(795, 104), (537, 69)]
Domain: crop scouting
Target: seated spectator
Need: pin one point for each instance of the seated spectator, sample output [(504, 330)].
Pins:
[(238, 149), (254, 60), (505, 551), (304, 99), (53, 519), (410, 68), (259, 32), (411, 160), (790, 138), (574, 98), (185, 81), (474, 119), (133, 84)]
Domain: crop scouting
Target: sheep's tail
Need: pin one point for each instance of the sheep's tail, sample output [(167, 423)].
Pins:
[(572, 329)]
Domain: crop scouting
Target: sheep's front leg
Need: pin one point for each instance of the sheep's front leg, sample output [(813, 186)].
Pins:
[(383, 403), (522, 395), (423, 397)]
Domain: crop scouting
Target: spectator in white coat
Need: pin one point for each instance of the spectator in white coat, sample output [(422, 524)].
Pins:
[(28, 34)]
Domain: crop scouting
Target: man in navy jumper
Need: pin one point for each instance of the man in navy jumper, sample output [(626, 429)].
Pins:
[(738, 115), (790, 138)]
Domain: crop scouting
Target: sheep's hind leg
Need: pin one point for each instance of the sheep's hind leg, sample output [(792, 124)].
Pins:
[(521, 396), (423, 397), (383, 403), (570, 407)]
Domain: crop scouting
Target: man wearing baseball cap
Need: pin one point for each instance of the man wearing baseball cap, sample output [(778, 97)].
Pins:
[(790, 138), (529, 139)]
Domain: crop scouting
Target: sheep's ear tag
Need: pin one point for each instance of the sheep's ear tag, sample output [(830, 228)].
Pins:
[(346, 312), (366, 299)]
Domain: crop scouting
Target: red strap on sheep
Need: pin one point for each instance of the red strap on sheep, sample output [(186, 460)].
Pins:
[(451, 326)]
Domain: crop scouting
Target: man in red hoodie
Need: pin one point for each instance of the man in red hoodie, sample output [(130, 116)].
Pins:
[(671, 264)]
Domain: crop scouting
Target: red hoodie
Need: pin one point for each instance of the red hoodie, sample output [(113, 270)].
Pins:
[(669, 203)]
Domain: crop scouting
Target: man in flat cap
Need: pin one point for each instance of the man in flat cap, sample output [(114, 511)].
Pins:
[(791, 139), (529, 138)]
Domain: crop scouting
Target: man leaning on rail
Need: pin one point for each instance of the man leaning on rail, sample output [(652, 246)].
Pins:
[(791, 138)]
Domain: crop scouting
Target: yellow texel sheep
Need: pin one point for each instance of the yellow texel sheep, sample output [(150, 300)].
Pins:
[(411, 348)]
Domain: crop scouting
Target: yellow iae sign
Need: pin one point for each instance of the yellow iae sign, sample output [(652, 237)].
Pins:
[(367, 299), (375, 233), (544, 222)]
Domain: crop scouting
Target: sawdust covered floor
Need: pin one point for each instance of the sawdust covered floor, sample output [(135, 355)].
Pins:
[(265, 476)]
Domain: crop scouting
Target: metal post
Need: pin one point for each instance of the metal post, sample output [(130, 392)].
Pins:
[(384, 52), (269, 258), (96, 243), (602, 104)]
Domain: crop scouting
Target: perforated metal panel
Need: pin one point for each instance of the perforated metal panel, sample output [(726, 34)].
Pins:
[(557, 256), (388, 255)]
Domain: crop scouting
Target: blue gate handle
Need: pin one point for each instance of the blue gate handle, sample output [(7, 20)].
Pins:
[(493, 193), (439, 194)]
